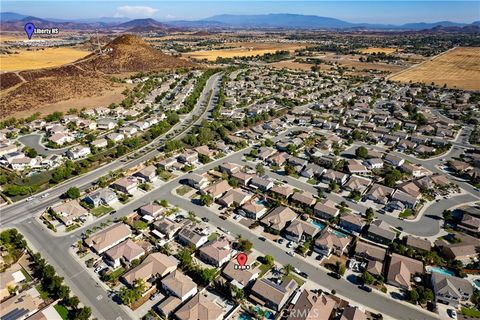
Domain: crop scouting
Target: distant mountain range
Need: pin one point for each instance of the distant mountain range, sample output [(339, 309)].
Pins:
[(15, 21)]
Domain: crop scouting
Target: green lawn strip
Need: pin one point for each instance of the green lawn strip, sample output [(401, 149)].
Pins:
[(470, 312), (183, 190), (101, 211), (264, 269), (62, 311), (212, 236), (299, 281)]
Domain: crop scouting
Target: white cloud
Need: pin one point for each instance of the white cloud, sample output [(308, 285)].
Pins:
[(135, 12)]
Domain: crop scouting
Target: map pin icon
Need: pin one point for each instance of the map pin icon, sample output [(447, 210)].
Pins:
[(242, 259), (29, 29)]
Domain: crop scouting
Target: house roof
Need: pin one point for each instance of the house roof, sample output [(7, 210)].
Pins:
[(418, 243), (270, 291), (279, 217), (312, 306), (283, 190), (371, 250), (218, 188), (402, 268), (241, 276), (235, 196), (380, 228), (155, 264), (107, 237), (299, 227), (179, 283), (303, 197), (199, 308), (70, 210), (218, 249), (127, 249), (353, 313), (444, 285), (329, 239)]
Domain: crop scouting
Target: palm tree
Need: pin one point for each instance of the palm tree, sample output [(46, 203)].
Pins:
[(287, 269)]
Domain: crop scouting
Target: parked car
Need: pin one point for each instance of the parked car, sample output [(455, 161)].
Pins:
[(281, 240), (204, 219), (261, 238), (452, 313), (334, 275), (365, 288), (304, 274), (154, 296), (291, 253)]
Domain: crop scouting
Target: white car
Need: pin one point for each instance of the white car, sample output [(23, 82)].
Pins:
[(291, 253), (290, 244), (45, 195), (30, 199), (452, 313)]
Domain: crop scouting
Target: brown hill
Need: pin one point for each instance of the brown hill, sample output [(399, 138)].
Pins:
[(87, 77), (129, 53)]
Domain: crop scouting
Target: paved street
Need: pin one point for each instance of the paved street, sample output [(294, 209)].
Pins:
[(34, 141)]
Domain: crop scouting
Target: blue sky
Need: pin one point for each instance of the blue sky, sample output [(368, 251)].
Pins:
[(395, 12)]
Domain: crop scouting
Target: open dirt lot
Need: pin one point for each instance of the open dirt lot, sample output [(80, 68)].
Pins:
[(243, 49), (38, 59), (378, 50), (457, 68)]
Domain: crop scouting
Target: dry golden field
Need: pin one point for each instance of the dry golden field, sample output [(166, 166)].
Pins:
[(38, 59), (457, 68), (243, 49), (378, 50)]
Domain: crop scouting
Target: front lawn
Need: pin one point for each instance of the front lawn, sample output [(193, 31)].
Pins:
[(181, 191), (212, 236), (299, 281), (62, 311), (406, 213), (470, 312), (101, 211)]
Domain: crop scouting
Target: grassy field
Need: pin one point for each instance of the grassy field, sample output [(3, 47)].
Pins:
[(243, 49), (378, 50), (37, 59), (62, 311), (457, 68)]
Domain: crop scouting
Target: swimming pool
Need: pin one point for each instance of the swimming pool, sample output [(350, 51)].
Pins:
[(317, 224), (261, 202), (443, 271), (476, 282), (244, 316), (338, 233)]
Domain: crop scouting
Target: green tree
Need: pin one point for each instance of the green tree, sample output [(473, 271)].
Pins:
[(361, 152), (73, 193), (369, 214), (206, 200), (260, 169), (287, 269), (244, 245), (367, 278)]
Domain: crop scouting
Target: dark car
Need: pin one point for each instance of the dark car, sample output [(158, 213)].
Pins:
[(223, 217), (262, 238), (113, 212), (304, 274), (334, 275), (365, 288), (204, 219)]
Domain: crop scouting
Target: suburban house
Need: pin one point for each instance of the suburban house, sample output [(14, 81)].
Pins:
[(147, 174), (451, 290), (167, 228), (469, 224), (123, 253), (100, 197), (240, 278), (278, 218), (152, 209), (418, 244), (353, 313), (401, 270), (356, 167), (261, 183), (127, 185), (229, 168), (331, 242), (179, 285), (311, 305), (303, 198), (300, 230), (379, 193), (188, 157), (196, 181), (217, 189), (374, 163), (192, 236), (242, 178), (281, 192), (253, 210), (234, 197), (69, 212), (326, 209), (333, 175), (401, 200), (108, 238), (272, 295), (216, 252), (380, 232), (78, 152), (352, 223), (200, 308), (155, 265), (167, 163), (369, 252), (20, 306), (463, 251), (358, 184), (394, 160)]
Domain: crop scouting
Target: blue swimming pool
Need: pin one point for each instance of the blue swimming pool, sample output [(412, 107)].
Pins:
[(261, 202), (476, 282), (317, 224), (339, 234), (244, 316), (443, 271)]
